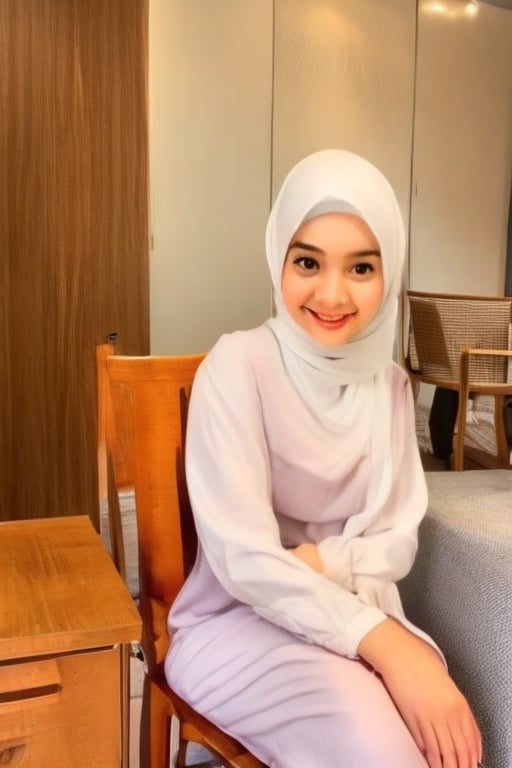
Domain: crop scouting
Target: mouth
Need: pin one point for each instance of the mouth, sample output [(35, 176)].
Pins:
[(331, 322)]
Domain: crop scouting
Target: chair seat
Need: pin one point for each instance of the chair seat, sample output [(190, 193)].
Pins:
[(197, 729)]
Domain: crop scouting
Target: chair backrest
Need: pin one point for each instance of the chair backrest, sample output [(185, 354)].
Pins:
[(110, 484), (441, 325), (146, 398)]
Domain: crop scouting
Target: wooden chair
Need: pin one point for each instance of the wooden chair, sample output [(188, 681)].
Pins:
[(462, 343), (110, 484), (144, 412)]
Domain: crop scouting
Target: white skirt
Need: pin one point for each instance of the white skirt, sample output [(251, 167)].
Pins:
[(294, 705)]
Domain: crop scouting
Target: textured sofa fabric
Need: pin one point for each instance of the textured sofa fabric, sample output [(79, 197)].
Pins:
[(460, 592)]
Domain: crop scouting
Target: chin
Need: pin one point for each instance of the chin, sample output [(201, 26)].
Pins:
[(329, 343)]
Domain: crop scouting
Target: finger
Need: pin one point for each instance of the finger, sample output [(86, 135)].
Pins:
[(467, 740), (477, 735), (424, 735), (464, 748), (432, 750), (417, 735), (451, 757)]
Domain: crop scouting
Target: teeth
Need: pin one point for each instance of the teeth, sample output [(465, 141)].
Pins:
[(329, 319)]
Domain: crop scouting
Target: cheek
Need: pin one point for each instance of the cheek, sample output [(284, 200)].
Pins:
[(376, 297), (291, 288)]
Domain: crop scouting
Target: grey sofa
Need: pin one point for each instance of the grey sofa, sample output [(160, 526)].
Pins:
[(460, 592)]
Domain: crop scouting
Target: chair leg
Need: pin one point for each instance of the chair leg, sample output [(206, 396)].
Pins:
[(155, 727), (181, 757), (125, 705), (178, 745), (458, 453), (502, 447), (441, 422)]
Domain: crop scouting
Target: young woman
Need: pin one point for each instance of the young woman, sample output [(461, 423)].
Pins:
[(307, 491)]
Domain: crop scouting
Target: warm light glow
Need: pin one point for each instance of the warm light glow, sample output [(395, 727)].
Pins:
[(450, 8), (471, 8), (434, 7), (327, 24)]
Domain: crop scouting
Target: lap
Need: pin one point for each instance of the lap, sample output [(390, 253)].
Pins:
[(292, 703)]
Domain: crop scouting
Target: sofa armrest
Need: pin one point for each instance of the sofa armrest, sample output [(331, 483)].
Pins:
[(460, 592)]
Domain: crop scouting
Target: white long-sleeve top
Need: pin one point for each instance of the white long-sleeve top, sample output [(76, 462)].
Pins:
[(264, 475)]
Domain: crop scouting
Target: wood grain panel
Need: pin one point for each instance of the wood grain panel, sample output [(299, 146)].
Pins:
[(75, 723), (74, 235)]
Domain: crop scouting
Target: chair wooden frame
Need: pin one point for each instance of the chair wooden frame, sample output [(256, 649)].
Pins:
[(462, 343), (142, 408), (110, 483)]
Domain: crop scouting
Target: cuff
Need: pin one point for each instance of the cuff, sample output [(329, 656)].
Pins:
[(362, 623)]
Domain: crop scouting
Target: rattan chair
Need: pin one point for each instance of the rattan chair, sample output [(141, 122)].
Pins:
[(462, 343), (142, 406)]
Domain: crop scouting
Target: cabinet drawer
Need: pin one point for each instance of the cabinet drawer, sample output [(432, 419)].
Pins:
[(62, 712)]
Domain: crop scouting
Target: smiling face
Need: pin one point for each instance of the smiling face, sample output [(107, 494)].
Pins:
[(332, 281)]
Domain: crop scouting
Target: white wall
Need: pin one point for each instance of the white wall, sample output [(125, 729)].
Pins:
[(340, 82), (463, 151), (241, 89), (210, 83), (227, 122)]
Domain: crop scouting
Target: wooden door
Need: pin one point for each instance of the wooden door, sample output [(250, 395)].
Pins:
[(73, 236)]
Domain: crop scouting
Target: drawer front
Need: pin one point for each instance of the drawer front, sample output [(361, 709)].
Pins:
[(61, 712)]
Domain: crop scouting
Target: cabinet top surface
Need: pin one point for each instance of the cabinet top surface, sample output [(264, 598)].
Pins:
[(61, 591)]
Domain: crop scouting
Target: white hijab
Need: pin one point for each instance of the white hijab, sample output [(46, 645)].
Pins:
[(347, 388)]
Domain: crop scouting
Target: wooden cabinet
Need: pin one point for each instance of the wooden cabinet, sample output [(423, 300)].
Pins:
[(74, 234), (65, 622), (61, 711)]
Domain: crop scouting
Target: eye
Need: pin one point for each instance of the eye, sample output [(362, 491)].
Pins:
[(307, 263), (363, 268)]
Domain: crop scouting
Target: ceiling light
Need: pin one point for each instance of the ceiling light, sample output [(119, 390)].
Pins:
[(507, 4)]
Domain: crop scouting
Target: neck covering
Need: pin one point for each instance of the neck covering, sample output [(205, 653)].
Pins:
[(336, 180), (347, 388)]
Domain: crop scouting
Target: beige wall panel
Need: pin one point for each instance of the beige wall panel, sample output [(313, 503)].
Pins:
[(210, 137), (344, 77), (463, 150)]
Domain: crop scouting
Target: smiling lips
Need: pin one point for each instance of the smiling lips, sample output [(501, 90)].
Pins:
[(332, 322)]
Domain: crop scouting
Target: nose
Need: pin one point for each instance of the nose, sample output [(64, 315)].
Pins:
[(332, 290)]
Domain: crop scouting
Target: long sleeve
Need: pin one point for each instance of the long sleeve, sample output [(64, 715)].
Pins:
[(385, 551), (229, 481)]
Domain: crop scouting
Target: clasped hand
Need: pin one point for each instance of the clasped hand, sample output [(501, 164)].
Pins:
[(435, 711)]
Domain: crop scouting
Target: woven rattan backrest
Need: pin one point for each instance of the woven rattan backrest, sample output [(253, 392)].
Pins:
[(443, 324)]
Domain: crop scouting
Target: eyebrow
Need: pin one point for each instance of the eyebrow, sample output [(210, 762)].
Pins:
[(314, 249)]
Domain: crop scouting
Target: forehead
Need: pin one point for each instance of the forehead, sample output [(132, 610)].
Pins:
[(334, 230)]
